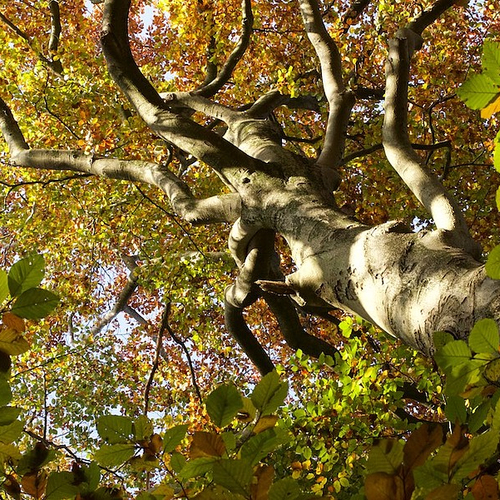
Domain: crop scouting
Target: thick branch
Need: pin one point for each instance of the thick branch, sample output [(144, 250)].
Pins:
[(428, 190), (224, 208), (189, 136), (211, 88), (340, 101)]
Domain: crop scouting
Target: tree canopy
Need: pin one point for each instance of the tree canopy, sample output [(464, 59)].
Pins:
[(222, 190)]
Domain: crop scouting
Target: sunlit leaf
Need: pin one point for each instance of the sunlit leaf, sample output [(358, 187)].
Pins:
[(25, 274), (484, 337), (269, 394), (493, 263), (478, 91), (4, 286), (223, 404), (386, 456)]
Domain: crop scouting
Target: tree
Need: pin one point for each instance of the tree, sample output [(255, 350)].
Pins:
[(302, 113)]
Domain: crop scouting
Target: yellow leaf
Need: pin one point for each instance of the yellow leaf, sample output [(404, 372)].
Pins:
[(444, 492), (264, 423), (492, 108), (206, 444), (12, 342)]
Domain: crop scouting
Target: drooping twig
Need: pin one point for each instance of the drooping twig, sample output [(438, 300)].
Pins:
[(166, 326)]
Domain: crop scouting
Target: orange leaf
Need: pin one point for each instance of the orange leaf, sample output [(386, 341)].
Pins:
[(14, 322), (34, 483), (265, 476)]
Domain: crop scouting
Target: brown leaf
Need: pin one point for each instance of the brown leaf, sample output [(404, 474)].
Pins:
[(34, 483), (444, 492), (459, 443), (265, 476), (206, 444), (14, 322), (383, 486), (485, 488), (156, 444), (421, 443)]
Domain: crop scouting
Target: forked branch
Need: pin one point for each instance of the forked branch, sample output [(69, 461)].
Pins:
[(425, 186), (165, 121), (224, 208), (340, 100)]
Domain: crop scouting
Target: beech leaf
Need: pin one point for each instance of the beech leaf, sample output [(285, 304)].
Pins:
[(114, 455), (25, 274), (484, 337), (269, 394), (223, 404), (35, 303)]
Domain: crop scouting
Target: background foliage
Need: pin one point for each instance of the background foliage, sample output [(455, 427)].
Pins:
[(92, 399)]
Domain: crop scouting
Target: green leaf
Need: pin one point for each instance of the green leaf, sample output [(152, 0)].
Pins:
[(92, 475), (223, 404), (260, 445), (481, 448), (476, 420), (8, 414), (478, 91), (115, 428), (491, 60), (441, 339), (173, 437), (177, 462), (11, 432), (9, 453), (463, 377), (4, 286), (5, 392), (284, 489), (269, 394), (453, 354), (197, 467), (114, 455), (484, 337), (25, 274), (493, 264), (59, 486), (455, 409), (35, 303), (386, 456), (142, 428), (234, 475)]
